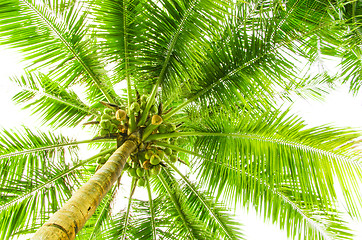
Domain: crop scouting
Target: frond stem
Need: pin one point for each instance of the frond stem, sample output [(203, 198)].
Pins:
[(47, 148), (211, 212), (170, 50), (70, 49), (175, 203), (258, 138), (133, 188), (132, 123), (152, 210), (232, 72)]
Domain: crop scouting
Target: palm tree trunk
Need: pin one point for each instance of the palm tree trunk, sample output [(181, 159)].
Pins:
[(70, 219)]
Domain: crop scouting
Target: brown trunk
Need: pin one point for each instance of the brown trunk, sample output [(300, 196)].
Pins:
[(70, 219)]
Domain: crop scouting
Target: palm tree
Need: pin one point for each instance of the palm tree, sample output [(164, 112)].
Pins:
[(183, 94)]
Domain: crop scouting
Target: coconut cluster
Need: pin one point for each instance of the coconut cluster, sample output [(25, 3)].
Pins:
[(148, 159), (112, 122), (150, 162)]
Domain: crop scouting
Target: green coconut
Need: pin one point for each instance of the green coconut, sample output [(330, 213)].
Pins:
[(171, 127), (162, 128), (155, 159), (155, 170), (105, 124), (143, 99), (121, 115), (108, 111), (132, 172), (167, 151), (135, 107), (140, 172), (156, 120), (154, 109), (141, 182), (103, 132), (106, 117), (173, 158)]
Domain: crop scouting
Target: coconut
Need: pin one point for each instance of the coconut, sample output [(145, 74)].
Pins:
[(132, 172), (156, 170), (162, 128), (147, 165), (113, 128), (135, 107), (154, 109), (140, 172), (106, 124), (156, 120), (108, 111), (171, 127), (103, 132), (141, 182), (143, 99), (101, 160), (155, 159), (106, 117), (161, 154), (167, 151), (173, 158), (121, 115)]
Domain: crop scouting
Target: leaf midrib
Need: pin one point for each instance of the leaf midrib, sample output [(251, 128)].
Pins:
[(37, 91), (70, 49)]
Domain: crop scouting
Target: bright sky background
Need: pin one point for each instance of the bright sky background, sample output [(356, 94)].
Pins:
[(339, 108)]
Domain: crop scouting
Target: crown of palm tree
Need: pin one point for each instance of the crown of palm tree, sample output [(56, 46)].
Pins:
[(197, 123)]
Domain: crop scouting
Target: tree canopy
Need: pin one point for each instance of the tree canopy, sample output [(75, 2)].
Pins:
[(196, 86)]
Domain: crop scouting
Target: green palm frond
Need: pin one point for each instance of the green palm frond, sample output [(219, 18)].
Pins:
[(203, 81), (34, 199), (151, 211), (58, 42), (283, 206), (352, 41), (23, 149), (209, 212), (56, 106), (189, 23), (303, 153), (249, 61), (184, 224), (298, 165), (42, 195), (119, 26), (142, 220)]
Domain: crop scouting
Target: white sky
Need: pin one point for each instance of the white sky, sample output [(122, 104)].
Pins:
[(340, 108)]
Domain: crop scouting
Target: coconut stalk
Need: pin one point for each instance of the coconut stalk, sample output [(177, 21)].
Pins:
[(70, 219)]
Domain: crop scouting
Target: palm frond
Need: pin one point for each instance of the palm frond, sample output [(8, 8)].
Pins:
[(151, 209), (22, 150), (55, 105), (42, 189), (34, 199), (175, 30), (184, 225), (214, 216), (119, 25), (281, 203), (56, 40)]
